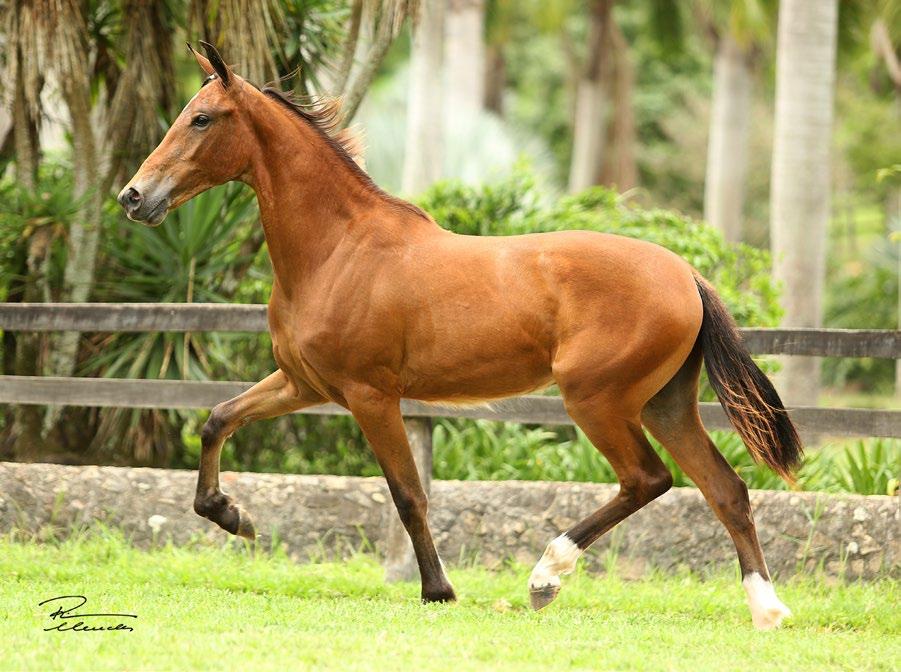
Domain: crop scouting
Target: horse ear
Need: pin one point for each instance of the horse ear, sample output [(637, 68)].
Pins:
[(202, 61), (216, 63)]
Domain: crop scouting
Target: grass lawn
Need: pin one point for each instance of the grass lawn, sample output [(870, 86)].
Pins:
[(225, 610)]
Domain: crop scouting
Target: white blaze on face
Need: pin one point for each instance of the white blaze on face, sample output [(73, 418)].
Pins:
[(559, 558), (767, 610)]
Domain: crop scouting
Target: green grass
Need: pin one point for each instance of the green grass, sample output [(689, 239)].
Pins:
[(225, 609)]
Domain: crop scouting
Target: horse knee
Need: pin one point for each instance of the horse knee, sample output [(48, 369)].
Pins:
[(215, 426)]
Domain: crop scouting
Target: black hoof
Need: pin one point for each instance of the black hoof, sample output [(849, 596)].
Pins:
[(445, 594), (541, 597)]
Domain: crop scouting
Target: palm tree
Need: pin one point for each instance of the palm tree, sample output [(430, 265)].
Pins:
[(619, 167), (372, 28), (801, 175), (736, 28), (423, 155), (464, 65), (590, 121)]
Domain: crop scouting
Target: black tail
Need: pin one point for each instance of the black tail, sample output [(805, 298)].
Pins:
[(751, 402)]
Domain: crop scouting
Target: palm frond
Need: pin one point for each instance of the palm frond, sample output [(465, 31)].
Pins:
[(246, 30), (46, 36)]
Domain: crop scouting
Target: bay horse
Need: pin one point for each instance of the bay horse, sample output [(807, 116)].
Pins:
[(372, 302)]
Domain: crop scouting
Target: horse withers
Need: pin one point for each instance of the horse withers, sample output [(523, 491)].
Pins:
[(373, 302)]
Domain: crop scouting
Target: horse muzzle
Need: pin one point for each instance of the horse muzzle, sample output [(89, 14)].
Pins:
[(150, 209)]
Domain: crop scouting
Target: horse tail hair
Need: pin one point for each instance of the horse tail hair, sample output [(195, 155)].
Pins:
[(748, 397)]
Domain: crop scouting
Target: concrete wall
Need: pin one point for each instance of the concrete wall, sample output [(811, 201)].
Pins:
[(853, 535)]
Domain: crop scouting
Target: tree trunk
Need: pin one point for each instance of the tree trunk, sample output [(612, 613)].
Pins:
[(78, 275), (590, 122), (801, 175), (620, 168), (495, 79), (423, 155), (377, 31), (465, 56), (727, 147), (25, 136), (26, 441)]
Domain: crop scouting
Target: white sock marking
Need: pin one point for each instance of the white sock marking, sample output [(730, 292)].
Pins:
[(559, 558), (767, 610)]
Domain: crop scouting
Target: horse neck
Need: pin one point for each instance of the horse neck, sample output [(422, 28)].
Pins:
[(310, 199)]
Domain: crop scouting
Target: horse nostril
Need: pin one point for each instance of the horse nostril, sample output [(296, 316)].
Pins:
[(130, 199)]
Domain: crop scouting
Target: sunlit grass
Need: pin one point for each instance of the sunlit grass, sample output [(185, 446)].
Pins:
[(227, 609)]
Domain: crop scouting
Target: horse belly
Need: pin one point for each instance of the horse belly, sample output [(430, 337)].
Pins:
[(478, 359)]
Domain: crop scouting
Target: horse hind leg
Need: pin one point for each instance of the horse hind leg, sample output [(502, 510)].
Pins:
[(273, 396), (672, 417), (642, 475)]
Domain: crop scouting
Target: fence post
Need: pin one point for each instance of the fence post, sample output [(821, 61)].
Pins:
[(400, 562)]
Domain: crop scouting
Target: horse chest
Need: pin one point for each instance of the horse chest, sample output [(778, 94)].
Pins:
[(325, 353)]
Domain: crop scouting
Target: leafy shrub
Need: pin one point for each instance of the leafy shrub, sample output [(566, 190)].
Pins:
[(869, 468), (191, 257), (484, 450), (864, 295)]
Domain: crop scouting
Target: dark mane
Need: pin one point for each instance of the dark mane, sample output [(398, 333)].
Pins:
[(324, 115)]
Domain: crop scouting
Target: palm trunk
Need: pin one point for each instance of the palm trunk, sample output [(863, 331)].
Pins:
[(372, 45), (78, 276), (25, 136), (801, 175), (620, 167), (727, 148), (495, 79), (465, 56), (590, 122), (26, 441), (424, 154)]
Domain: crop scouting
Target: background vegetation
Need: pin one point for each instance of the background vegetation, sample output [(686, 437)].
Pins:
[(90, 87)]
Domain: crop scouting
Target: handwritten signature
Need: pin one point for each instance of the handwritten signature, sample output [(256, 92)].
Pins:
[(69, 621)]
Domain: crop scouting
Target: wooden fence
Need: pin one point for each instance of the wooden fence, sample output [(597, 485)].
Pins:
[(114, 317)]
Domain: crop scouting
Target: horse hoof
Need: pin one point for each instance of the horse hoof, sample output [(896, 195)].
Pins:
[(245, 526), (543, 596), (443, 595)]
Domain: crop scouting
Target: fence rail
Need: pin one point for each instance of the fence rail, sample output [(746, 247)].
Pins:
[(206, 317), (531, 409), (200, 317), (164, 394)]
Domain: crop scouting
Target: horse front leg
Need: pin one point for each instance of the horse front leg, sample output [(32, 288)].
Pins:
[(380, 419), (273, 396)]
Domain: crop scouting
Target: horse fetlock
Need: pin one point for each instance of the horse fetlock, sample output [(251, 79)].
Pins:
[(767, 610), (559, 558), (221, 509)]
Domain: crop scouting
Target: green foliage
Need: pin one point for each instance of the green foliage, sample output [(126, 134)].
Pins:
[(41, 217), (870, 468), (484, 450), (864, 295), (192, 257)]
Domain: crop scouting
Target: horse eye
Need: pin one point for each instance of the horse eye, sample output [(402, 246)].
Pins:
[(200, 121)]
